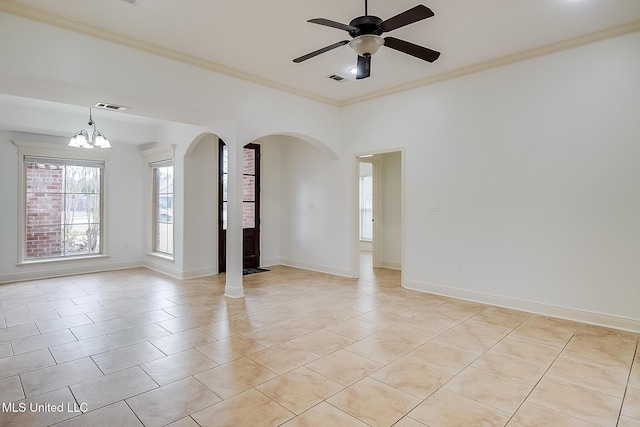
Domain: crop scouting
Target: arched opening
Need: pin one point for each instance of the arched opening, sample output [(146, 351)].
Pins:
[(283, 233), (200, 195), (299, 217)]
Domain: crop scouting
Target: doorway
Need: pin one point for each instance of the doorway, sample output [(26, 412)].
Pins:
[(380, 211), (250, 206)]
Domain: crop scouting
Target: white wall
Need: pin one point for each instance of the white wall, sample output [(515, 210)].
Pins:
[(391, 193), (534, 170), (38, 56), (9, 207), (123, 219), (533, 166), (200, 212), (270, 201), (317, 217), (193, 102)]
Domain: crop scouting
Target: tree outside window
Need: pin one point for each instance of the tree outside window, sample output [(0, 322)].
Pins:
[(163, 207), (63, 203)]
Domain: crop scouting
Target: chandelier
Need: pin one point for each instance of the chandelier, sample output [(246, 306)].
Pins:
[(82, 140)]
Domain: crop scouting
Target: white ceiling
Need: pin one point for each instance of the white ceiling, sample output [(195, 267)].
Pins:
[(258, 39)]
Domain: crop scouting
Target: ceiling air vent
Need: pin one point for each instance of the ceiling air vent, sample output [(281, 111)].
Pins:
[(337, 77), (112, 107)]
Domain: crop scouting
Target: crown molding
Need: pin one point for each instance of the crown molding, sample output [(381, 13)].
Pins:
[(609, 33), (44, 17), (80, 27)]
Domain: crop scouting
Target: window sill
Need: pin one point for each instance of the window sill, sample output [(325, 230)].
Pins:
[(161, 256), (34, 262)]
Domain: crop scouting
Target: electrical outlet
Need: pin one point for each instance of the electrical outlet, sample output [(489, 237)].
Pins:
[(459, 266)]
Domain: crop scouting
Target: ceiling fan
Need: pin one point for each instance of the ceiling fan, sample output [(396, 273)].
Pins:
[(366, 32)]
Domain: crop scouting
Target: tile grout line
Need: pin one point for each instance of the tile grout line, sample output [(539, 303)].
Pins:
[(478, 357), (626, 388), (541, 378)]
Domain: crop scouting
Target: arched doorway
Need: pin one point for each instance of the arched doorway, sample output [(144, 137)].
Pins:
[(200, 193)]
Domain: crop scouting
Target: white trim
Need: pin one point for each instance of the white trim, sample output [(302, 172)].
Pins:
[(392, 265), (203, 272), (366, 245), (270, 262), (157, 154), (233, 292), (162, 256), (153, 156), (53, 151), (79, 267), (575, 42), (317, 267), (91, 30), (377, 243), (57, 260), (583, 316)]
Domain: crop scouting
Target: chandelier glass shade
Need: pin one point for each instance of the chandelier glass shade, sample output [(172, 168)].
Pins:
[(81, 139), (366, 45)]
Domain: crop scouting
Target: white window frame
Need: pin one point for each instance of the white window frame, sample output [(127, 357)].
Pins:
[(155, 214), (154, 156), (45, 150), (362, 208)]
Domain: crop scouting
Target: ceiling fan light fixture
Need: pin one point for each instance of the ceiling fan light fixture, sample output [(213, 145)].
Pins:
[(366, 45)]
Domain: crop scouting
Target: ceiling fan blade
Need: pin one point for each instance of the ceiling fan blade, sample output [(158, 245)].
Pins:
[(333, 24), (364, 67), (420, 52), (407, 17), (319, 51)]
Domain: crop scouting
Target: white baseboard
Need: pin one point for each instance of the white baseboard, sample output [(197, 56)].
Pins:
[(270, 262), (66, 268), (366, 245), (592, 318), (317, 267), (391, 265), (178, 274), (233, 292)]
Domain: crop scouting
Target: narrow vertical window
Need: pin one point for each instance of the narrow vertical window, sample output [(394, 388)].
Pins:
[(366, 207), (163, 207)]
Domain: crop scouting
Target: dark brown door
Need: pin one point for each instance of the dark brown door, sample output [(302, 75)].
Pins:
[(250, 206)]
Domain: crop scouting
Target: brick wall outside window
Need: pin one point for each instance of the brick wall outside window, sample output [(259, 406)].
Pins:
[(45, 206)]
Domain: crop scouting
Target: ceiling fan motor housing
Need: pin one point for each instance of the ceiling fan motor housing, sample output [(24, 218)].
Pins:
[(366, 25)]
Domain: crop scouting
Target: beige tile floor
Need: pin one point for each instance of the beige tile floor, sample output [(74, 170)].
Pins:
[(133, 347)]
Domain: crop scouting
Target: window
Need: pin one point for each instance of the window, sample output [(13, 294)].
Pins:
[(223, 184), (163, 207), (366, 207), (63, 207)]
